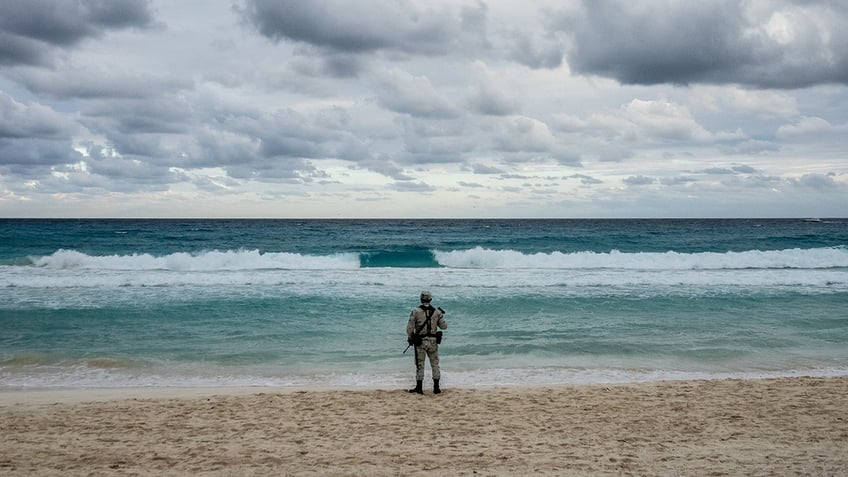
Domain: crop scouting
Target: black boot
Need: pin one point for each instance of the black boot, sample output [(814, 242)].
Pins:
[(436, 389), (418, 388)]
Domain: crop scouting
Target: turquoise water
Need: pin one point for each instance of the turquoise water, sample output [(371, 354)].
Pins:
[(118, 303)]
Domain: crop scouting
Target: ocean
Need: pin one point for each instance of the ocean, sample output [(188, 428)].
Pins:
[(324, 303)]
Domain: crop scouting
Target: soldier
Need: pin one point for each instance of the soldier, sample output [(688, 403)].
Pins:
[(422, 332)]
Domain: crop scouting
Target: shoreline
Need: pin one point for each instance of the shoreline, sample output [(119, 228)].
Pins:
[(791, 425), (76, 395), (56, 394)]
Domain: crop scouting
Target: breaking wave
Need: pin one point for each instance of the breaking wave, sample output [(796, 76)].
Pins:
[(481, 258), (199, 262), (476, 258)]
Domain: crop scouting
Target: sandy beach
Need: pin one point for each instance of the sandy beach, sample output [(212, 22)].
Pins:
[(786, 426)]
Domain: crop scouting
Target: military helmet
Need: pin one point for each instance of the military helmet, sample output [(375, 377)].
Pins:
[(426, 297)]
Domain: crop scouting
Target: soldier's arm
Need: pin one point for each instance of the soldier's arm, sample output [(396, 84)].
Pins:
[(410, 324), (442, 323)]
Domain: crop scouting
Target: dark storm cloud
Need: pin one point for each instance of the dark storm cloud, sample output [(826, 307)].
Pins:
[(164, 116), (142, 129), (288, 134), (780, 44), (19, 120), (65, 22), (28, 27), (101, 162), (16, 50), (274, 147), (248, 144), (133, 114), (30, 155), (33, 136), (358, 27)]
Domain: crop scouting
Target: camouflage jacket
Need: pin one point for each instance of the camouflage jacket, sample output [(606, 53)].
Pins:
[(418, 318)]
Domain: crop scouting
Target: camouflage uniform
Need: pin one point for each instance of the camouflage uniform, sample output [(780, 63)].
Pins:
[(428, 347)]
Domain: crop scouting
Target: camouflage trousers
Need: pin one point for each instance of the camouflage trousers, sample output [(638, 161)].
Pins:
[(427, 348)]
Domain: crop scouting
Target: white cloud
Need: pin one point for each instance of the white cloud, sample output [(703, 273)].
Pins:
[(489, 96), (642, 120), (765, 103), (812, 127), (664, 120), (405, 93), (523, 134)]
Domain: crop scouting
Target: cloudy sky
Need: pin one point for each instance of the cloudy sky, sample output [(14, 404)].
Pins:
[(414, 108)]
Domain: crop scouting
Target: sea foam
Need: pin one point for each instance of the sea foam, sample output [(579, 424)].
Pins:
[(831, 257), (202, 262), (475, 258)]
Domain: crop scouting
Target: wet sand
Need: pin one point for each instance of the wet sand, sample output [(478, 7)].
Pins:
[(785, 426)]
